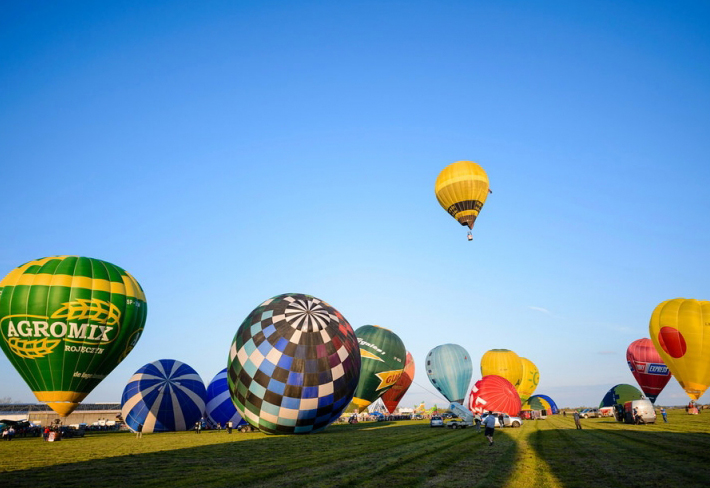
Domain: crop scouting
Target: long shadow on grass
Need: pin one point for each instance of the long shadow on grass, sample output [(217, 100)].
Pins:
[(624, 457), (366, 454)]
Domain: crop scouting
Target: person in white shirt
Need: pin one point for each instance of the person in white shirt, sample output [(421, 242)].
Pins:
[(490, 424)]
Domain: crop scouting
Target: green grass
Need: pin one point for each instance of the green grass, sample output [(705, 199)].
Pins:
[(544, 453)]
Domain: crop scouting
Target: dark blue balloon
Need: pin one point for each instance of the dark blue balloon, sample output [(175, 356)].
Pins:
[(163, 396), (220, 408)]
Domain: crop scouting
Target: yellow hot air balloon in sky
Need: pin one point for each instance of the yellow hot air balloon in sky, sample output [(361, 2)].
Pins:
[(461, 189), (680, 331), (530, 379), (503, 362)]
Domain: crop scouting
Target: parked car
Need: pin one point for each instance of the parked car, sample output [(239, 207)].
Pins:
[(436, 421), (508, 421), (589, 413)]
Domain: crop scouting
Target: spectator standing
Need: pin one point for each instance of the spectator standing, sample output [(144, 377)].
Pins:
[(663, 413), (577, 423)]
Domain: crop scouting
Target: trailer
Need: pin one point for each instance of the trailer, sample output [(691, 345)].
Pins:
[(463, 413)]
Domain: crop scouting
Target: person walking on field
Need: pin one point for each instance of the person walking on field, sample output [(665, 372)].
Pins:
[(663, 412), (577, 423), (490, 424)]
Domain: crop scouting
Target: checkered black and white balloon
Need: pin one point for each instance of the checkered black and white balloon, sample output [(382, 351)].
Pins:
[(294, 365)]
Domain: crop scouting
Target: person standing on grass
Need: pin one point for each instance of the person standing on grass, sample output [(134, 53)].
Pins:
[(229, 427), (139, 431), (477, 420), (663, 412), (500, 420), (577, 423), (490, 424)]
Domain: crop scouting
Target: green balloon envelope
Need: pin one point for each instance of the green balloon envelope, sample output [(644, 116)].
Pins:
[(66, 322), (383, 357)]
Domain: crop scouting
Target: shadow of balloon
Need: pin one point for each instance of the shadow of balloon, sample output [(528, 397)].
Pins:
[(624, 457), (400, 454)]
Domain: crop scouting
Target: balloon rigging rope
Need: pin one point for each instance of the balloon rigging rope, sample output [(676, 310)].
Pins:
[(429, 391)]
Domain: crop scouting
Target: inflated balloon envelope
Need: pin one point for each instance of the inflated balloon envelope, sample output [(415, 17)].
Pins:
[(383, 359), (680, 331), (293, 365), (449, 369), (461, 189), (648, 367), (66, 322)]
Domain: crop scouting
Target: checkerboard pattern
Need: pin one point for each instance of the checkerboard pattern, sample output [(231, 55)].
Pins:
[(294, 365)]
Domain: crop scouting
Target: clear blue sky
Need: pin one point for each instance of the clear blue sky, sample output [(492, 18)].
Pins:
[(226, 152)]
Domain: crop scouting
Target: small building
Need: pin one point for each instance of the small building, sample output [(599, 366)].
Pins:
[(39, 413)]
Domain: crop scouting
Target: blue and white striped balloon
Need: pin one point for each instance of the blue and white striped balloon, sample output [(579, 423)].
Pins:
[(220, 408), (163, 396)]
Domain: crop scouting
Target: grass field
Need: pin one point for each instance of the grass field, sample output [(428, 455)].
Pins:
[(543, 453)]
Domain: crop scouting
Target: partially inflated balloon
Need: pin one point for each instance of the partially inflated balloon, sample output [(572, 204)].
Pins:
[(503, 362), (383, 355), (66, 323), (540, 402), (219, 406), (647, 367), (293, 365), (680, 330), (620, 394), (529, 381), (494, 393), (393, 396), (163, 396), (461, 189), (449, 369)]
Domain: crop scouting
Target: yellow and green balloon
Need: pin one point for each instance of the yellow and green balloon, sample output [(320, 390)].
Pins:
[(66, 322)]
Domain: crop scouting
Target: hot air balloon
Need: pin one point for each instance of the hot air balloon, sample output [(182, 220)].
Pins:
[(66, 323), (219, 406), (620, 394), (494, 393), (163, 396), (392, 397), (679, 331), (461, 189), (449, 369), (540, 402), (530, 379), (293, 365), (503, 362), (383, 358), (647, 367)]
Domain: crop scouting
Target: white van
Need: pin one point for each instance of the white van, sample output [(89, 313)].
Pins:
[(644, 409)]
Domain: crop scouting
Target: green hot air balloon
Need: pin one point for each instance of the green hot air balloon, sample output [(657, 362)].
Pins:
[(66, 322), (383, 357)]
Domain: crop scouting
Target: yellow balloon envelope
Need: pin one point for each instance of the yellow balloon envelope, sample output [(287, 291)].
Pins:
[(503, 362), (680, 331), (530, 379), (461, 189)]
